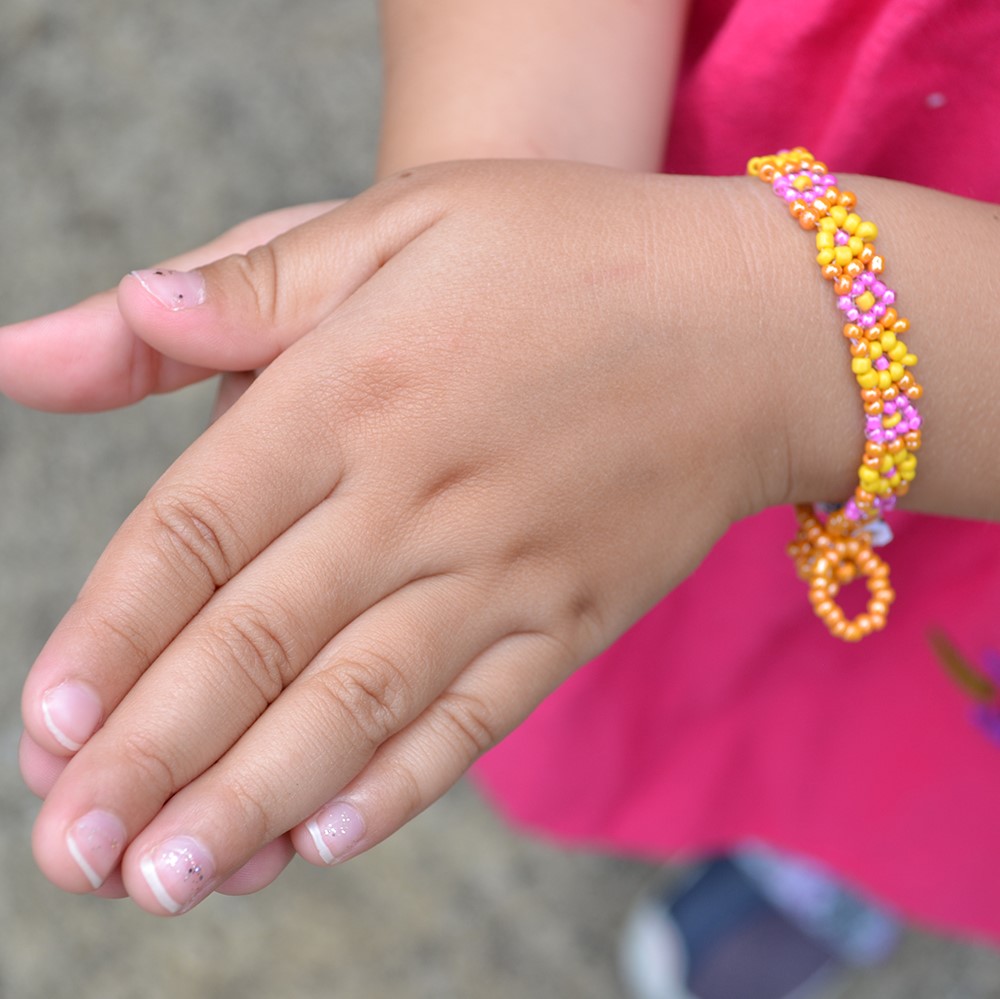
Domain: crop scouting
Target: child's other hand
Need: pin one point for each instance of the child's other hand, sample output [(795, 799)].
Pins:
[(86, 358), (493, 429)]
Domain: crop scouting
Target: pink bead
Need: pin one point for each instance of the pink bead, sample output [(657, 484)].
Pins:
[(889, 297)]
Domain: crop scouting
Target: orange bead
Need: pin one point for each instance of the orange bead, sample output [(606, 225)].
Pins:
[(848, 199), (851, 633), (842, 286), (766, 172), (807, 219)]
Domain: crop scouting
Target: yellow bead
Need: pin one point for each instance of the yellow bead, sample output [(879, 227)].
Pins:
[(889, 422), (839, 214), (888, 340), (828, 222), (843, 255), (856, 244), (887, 463), (851, 223), (884, 380), (867, 476), (898, 351), (896, 371), (868, 380), (875, 350), (802, 183), (868, 231), (859, 365), (907, 474), (909, 360), (824, 238), (825, 257), (865, 301)]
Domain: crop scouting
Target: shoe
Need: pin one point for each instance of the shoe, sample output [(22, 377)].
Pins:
[(757, 925)]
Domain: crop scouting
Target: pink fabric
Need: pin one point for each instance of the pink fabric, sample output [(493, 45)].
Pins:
[(715, 721)]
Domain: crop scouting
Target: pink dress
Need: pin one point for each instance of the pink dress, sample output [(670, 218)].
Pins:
[(712, 723)]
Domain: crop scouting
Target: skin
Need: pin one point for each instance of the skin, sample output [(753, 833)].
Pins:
[(599, 93), (382, 582)]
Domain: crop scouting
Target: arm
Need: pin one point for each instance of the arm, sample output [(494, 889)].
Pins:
[(448, 554), (585, 80)]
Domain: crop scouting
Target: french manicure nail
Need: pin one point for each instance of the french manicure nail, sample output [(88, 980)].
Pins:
[(175, 289), (71, 712), (96, 842), (179, 872), (336, 830)]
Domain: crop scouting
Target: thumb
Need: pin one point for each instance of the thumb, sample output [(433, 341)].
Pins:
[(240, 312)]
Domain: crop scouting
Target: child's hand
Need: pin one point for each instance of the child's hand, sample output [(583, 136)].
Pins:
[(86, 358), (497, 425)]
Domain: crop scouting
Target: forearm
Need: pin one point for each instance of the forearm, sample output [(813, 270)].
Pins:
[(585, 80), (940, 253)]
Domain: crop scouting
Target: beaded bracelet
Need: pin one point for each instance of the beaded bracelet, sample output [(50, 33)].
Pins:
[(835, 542)]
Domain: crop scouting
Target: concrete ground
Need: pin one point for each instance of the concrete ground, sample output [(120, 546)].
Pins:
[(131, 131)]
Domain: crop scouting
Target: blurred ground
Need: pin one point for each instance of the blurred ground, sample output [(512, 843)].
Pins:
[(130, 132)]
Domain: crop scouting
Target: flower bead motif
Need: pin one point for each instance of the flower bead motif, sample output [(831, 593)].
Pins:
[(834, 542)]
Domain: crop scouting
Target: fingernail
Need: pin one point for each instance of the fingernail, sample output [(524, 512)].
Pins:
[(96, 843), (71, 712), (179, 873), (175, 289), (336, 831)]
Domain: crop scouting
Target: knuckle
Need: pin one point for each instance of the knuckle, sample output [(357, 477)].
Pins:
[(260, 274), (195, 529), (124, 627), (158, 767), (373, 692), (260, 642), (469, 721), (247, 809)]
